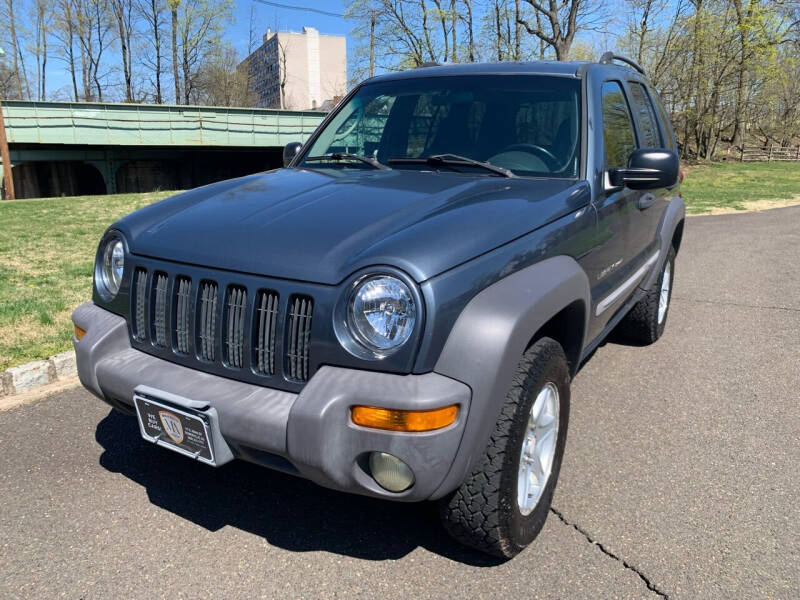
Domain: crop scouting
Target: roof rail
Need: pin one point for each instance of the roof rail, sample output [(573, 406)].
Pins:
[(428, 64), (609, 57)]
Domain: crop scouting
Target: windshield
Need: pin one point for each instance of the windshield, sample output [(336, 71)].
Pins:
[(527, 124)]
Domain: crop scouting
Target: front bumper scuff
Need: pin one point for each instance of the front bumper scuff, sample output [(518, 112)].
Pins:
[(311, 430)]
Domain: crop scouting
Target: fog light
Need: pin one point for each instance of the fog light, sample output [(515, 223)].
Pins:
[(79, 333), (390, 472)]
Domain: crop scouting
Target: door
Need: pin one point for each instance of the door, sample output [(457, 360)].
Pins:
[(616, 258), (652, 203)]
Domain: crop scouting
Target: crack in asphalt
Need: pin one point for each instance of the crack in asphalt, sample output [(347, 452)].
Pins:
[(737, 305), (650, 585)]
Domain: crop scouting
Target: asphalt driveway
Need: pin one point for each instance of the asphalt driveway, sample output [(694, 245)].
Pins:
[(681, 477)]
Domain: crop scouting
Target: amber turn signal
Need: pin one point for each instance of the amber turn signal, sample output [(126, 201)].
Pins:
[(404, 420), (79, 333)]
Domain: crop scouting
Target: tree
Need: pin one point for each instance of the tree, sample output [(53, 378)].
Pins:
[(219, 81), (123, 15), (200, 27), (20, 73), (64, 33), (93, 32), (42, 17), (173, 11), (564, 19), (152, 11)]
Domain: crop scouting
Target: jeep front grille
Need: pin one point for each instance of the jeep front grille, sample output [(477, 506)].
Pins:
[(140, 289), (242, 331), (160, 310), (207, 335), (299, 334), (266, 317), (237, 303), (183, 313)]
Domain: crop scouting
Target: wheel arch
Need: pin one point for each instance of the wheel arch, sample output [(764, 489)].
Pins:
[(492, 333), (568, 328), (670, 234), (677, 236)]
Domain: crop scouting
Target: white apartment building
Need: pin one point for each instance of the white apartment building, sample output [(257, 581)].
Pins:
[(298, 71)]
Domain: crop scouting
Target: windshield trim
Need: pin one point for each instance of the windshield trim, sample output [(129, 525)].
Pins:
[(581, 174)]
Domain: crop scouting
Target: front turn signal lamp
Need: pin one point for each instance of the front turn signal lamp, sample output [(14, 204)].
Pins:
[(404, 420), (79, 333)]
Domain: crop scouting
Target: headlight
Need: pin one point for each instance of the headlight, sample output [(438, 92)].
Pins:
[(110, 266), (382, 313)]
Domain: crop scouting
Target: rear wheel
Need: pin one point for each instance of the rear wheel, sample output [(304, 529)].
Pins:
[(503, 504), (645, 322)]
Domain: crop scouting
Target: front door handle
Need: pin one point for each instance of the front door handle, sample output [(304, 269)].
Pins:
[(646, 201)]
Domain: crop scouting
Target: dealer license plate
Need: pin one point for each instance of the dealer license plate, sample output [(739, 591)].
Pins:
[(178, 429)]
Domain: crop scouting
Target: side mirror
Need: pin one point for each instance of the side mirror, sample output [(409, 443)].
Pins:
[(647, 169), (290, 150)]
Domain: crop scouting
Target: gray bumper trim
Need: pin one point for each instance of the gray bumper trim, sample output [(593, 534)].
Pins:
[(312, 429)]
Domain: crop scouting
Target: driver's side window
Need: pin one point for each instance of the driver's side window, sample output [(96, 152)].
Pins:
[(618, 133)]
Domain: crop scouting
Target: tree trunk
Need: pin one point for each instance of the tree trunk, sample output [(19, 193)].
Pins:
[(70, 51), (44, 62), (471, 32), (517, 30), (454, 15), (187, 76), (157, 43), (119, 13), (19, 60), (175, 74), (498, 30), (372, 20)]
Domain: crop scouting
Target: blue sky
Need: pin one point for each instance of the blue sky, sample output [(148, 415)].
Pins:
[(285, 19), (58, 81)]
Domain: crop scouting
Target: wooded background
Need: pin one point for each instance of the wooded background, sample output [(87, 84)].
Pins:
[(728, 70)]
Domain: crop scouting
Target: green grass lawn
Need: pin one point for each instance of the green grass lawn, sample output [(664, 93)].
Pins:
[(47, 252), (47, 247), (734, 186)]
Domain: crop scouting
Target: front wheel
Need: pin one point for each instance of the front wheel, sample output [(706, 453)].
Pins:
[(503, 504)]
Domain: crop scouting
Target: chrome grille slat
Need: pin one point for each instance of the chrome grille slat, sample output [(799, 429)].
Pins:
[(267, 312), (237, 302), (300, 314), (140, 327), (259, 336), (208, 320), (183, 298), (160, 310)]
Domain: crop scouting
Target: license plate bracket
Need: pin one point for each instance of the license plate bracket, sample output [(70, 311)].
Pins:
[(182, 425)]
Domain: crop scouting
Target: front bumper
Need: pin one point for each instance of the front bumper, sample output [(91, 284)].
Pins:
[(309, 433)]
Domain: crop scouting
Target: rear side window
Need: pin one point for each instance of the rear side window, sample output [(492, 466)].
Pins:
[(666, 126), (618, 136), (646, 115)]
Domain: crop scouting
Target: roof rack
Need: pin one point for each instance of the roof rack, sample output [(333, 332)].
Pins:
[(609, 57)]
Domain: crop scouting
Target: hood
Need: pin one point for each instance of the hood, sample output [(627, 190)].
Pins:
[(322, 226)]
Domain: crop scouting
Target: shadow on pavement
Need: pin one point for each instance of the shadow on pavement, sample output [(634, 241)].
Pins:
[(289, 512)]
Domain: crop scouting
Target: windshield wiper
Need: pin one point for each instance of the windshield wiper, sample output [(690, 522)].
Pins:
[(346, 156), (452, 160)]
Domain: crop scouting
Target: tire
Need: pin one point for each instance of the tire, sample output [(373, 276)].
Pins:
[(645, 323), (485, 512)]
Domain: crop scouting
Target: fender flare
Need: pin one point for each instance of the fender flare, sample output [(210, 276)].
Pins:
[(490, 336), (673, 215)]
